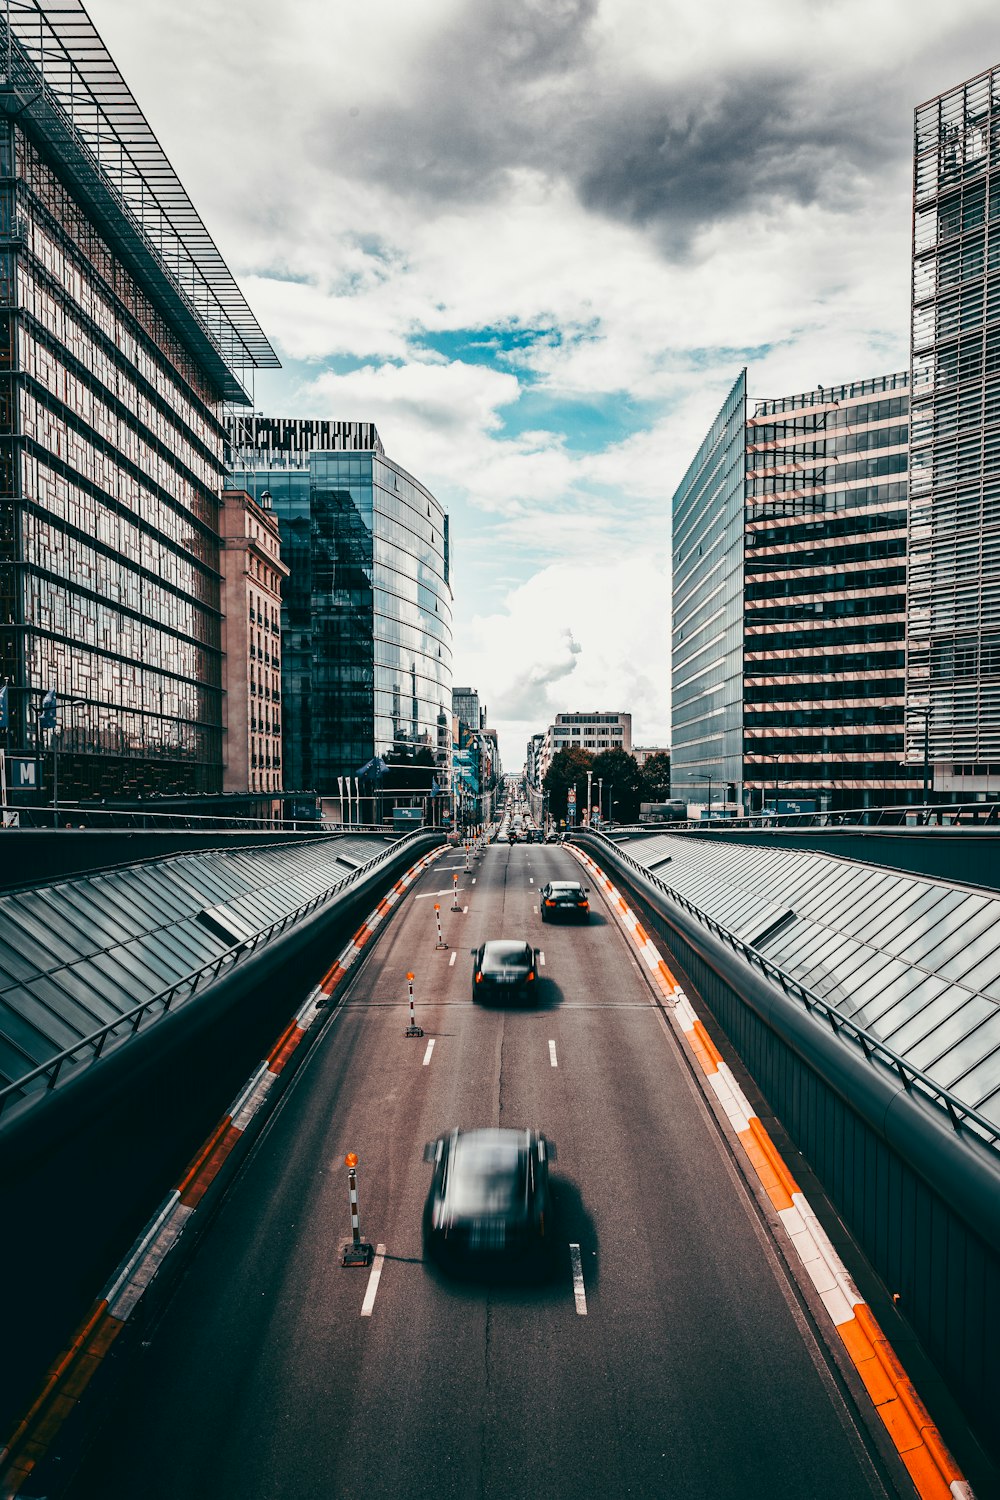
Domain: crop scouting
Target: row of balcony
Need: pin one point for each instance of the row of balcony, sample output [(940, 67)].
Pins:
[(258, 617)]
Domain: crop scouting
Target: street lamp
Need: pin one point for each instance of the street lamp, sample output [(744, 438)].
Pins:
[(707, 777), (923, 711)]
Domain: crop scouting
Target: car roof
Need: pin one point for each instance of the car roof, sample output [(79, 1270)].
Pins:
[(565, 885), (505, 945), (496, 1138)]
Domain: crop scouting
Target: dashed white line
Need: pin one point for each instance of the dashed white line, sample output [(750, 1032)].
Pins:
[(579, 1291), (531, 880), (373, 1280), (465, 908), (452, 959), (541, 959), (430, 1049), (552, 1054), (473, 880)]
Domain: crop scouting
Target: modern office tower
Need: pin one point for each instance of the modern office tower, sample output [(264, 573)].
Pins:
[(465, 706), (953, 622), (790, 603), (123, 337), (252, 572), (366, 621)]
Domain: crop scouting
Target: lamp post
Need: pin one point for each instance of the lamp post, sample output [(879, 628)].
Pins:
[(600, 796), (590, 794), (923, 711)]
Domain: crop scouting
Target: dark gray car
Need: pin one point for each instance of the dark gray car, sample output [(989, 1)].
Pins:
[(503, 968), (564, 898), (489, 1196)]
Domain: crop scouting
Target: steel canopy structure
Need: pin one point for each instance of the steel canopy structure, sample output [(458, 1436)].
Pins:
[(61, 83)]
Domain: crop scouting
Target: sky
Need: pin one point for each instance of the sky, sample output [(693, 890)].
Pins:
[(535, 241)]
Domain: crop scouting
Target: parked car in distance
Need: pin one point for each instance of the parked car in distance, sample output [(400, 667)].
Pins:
[(564, 898), (503, 967), (489, 1199)]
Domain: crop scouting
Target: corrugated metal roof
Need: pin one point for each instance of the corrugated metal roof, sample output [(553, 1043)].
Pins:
[(78, 956), (914, 961)]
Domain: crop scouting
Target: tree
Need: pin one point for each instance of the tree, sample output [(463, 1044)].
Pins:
[(656, 778), (622, 785), (568, 768)]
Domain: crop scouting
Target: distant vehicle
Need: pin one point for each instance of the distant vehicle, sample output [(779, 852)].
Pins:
[(553, 838), (564, 898), (503, 968), (489, 1199)]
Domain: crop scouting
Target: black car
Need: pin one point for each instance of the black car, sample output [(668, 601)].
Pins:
[(489, 1196), (564, 898), (503, 967)]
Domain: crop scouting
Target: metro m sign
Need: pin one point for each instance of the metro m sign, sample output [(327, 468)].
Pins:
[(23, 773)]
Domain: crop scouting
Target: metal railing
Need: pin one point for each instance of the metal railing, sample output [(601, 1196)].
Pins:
[(90, 1047), (960, 1114), (925, 815), (89, 815)]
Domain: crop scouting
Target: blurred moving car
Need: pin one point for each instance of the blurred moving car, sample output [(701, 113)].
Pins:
[(564, 898), (503, 966), (489, 1195)]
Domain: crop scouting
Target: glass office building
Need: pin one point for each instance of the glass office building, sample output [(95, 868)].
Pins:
[(367, 607), (806, 692), (954, 537), (707, 643), (122, 338)]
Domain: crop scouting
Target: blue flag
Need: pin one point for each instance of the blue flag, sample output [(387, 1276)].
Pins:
[(4, 707), (50, 709)]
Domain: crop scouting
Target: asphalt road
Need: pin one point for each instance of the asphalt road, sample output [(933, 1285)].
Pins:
[(695, 1371)]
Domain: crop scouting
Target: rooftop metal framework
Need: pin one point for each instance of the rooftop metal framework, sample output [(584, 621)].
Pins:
[(63, 85)]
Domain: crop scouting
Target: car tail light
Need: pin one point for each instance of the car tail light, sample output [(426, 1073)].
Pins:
[(549, 902), (583, 903), (479, 976), (531, 973)]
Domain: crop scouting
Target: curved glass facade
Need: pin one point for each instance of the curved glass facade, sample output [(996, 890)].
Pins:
[(366, 612)]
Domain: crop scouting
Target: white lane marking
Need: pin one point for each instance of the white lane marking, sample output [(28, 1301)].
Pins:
[(579, 1292), (465, 908), (552, 1054), (430, 1049), (541, 959), (531, 880), (452, 959), (422, 895), (373, 1280), (473, 880)]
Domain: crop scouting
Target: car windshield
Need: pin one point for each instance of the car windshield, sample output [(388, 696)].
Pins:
[(565, 888), (505, 955), (487, 1175)]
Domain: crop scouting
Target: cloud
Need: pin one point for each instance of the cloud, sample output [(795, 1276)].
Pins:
[(576, 635), (617, 204)]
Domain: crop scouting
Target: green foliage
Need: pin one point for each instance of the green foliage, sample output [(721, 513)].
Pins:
[(623, 785), (569, 768), (656, 778)]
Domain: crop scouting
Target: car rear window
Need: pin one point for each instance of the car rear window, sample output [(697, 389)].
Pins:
[(486, 1179), (505, 955)]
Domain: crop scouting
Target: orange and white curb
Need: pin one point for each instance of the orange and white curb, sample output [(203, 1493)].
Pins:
[(931, 1467), (74, 1369)]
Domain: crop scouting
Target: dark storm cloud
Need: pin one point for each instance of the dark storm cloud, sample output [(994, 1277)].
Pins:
[(524, 85)]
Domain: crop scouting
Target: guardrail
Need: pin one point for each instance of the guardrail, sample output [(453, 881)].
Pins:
[(926, 815), (72, 816), (128, 1024), (961, 1115)]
